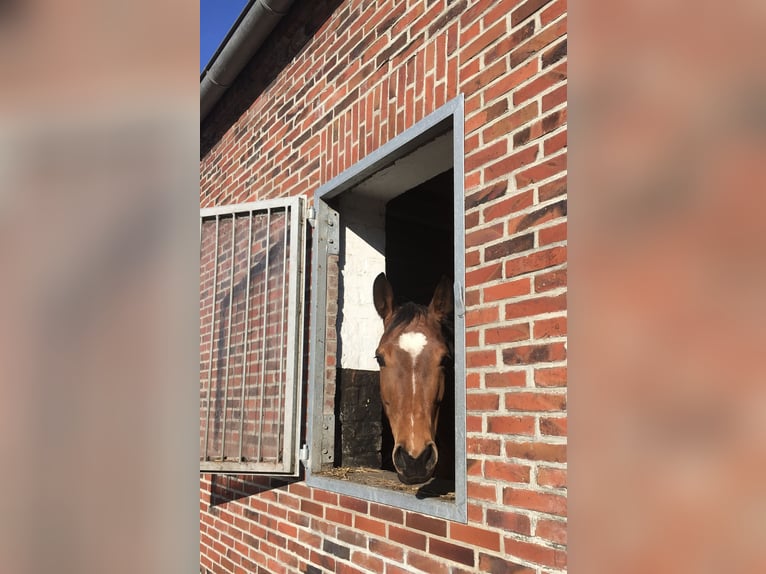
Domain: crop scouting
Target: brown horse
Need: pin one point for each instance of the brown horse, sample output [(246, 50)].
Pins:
[(415, 360)]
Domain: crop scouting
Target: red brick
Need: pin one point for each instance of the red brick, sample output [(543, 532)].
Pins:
[(510, 123), (555, 143), (486, 155), (369, 525), (454, 552), (367, 561), (386, 549), (535, 261), (536, 553), (473, 423), (484, 274), (536, 306), (476, 446), (552, 189), (482, 402), (475, 536), (538, 217), (506, 471), (511, 424), (508, 520), (344, 568), (538, 42), (427, 564), (526, 9), (353, 504), (552, 12), (488, 75), (352, 537), (325, 497), (553, 426), (385, 512), (552, 377), (487, 38), (536, 451), (480, 491), (532, 354), (554, 98), (552, 234), (312, 508), (474, 317), (407, 537), (436, 526), (534, 401), (488, 193), (555, 327), (510, 334), (507, 206), (506, 379), (339, 516), (497, 564), (542, 171), (553, 530), (510, 82), (540, 84), (485, 235), (507, 290), (473, 381), (552, 477), (533, 500), (480, 359)]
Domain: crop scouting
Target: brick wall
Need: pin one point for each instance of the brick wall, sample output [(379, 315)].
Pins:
[(358, 74)]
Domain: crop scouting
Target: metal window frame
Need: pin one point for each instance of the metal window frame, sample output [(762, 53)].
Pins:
[(448, 117), (294, 206)]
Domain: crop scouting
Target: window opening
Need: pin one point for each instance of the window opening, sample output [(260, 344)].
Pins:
[(399, 212)]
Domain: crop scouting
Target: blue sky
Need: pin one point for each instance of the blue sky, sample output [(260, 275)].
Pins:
[(215, 19)]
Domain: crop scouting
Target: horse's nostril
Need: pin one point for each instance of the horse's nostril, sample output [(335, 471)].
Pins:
[(417, 468)]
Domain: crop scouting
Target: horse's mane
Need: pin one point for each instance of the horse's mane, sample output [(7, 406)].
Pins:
[(406, 314)]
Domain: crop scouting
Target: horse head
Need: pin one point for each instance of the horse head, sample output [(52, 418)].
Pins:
[(413, 355)]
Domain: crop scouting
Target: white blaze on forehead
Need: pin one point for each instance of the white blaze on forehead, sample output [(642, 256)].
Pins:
[(412, 343)]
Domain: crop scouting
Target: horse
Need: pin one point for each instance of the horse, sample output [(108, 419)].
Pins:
[(415, 355)]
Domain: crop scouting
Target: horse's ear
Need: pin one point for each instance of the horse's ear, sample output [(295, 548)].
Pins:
[(383, 297), (441, 303)]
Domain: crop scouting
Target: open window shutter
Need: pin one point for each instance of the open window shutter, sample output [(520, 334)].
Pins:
[(251, 278)]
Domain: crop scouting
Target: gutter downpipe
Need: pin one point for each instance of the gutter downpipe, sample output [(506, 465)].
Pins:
[(241, 45)]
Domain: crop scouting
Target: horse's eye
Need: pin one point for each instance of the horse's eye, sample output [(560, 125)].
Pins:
[(447, 362), (379, 359)]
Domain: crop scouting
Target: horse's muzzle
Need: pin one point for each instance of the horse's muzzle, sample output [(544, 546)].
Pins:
[(414, 470)]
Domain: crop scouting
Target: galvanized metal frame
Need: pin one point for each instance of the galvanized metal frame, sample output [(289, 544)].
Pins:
[(448, 117), (291, 401)]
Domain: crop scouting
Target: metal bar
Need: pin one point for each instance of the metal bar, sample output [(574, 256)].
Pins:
[(264, 205), (247, 323), (212, 336), (318, 327), (282, 380), (263, 334), (228, 334), (294, 342)]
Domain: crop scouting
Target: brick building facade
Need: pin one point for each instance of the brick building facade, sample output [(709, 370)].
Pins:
[(333, 82)]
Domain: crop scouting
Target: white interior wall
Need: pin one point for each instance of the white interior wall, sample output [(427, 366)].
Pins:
[(363, 225)]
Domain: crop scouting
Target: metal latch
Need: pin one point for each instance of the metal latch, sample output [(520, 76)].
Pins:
[(459, 299)]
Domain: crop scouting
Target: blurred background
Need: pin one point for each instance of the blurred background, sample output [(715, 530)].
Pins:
[(667, 449), (98, 259)]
